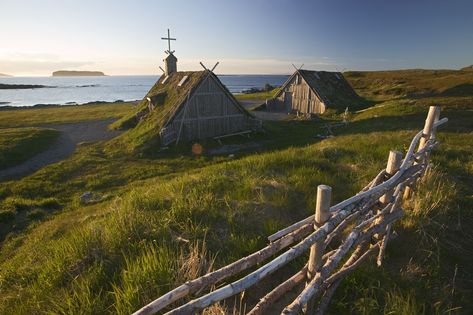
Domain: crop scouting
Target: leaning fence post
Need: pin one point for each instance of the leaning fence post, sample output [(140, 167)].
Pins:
[(428, 127), (322, 213), (426, 134), (436, 119)]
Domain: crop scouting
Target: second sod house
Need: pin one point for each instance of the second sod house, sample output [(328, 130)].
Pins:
[(313, 92)]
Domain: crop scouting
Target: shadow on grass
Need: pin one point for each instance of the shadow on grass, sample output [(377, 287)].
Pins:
[(465, 89)]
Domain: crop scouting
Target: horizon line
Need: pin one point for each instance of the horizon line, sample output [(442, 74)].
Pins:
[(223, 74)]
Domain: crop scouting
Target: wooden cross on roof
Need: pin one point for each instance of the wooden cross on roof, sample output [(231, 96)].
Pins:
[(169, 39)]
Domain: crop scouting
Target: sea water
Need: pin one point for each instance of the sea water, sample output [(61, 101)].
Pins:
[(80, 90)]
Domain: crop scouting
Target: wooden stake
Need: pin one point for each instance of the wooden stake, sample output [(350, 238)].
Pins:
[(322, 214), (428, 127), (394, 162), (436, 119), (426, 134)]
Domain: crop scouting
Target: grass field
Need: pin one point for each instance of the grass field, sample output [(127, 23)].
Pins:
[(36, 116), (19, 144), (260, 96), (157, 213)]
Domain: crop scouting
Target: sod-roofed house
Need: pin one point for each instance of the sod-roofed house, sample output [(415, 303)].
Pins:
[(195, 105), (313, 92), (185, 106)]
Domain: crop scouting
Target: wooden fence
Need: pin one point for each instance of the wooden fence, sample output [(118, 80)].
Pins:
[(363, 223)]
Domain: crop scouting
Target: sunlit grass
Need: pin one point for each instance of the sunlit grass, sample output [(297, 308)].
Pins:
[(169, 217)]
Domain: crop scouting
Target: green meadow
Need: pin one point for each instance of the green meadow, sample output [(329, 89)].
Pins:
[(19, 144), (163, 217), (35, 116)]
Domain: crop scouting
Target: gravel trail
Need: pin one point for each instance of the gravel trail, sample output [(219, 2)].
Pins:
[(65, 145)]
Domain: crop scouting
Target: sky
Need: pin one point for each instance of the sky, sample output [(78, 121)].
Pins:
[(246, 37)]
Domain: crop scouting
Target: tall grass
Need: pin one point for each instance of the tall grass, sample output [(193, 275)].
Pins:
[(116, 255)]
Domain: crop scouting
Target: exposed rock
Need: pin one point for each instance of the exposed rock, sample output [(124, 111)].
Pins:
[(86, 197)]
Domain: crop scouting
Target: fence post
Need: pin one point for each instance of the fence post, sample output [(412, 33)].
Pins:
[(428, 127), (436, 119), (426, 134), (322, 214), (394, 162)]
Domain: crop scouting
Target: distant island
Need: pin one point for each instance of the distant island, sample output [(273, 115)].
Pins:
[(23, 86), (72, 73), (4, 75)]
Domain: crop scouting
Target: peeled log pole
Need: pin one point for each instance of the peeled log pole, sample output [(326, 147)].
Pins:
[(356, 236), (321, 216), (334, 281), (193, 286), (396, 204), (429, 126), (209, 279), (257, 257), (278, 292), (273, 296), (347, 206), (249, 280), (405, 164), (394, 162)]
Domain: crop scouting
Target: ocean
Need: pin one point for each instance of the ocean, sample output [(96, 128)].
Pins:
[(80, 90)]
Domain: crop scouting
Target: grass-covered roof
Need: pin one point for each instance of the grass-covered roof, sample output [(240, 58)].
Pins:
[(330, 87), (144, 125)]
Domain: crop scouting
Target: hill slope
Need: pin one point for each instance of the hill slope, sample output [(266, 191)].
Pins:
[(148, 232), (413, 84)]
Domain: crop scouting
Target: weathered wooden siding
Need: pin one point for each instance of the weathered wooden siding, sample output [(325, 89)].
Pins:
[(303, 99), (208, 113)]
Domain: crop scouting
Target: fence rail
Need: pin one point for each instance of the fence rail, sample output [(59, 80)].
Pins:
[(368, 217)]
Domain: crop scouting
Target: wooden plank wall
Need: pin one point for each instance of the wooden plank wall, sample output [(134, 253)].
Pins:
[(304, 100), (209, 113)]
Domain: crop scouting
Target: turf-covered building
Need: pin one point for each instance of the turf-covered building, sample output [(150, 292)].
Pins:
[(313, 92), (189, 105)]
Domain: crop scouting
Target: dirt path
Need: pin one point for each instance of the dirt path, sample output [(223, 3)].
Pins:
[(65, 145), (262, 114)]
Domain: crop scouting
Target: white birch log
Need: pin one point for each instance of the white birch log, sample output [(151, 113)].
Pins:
[(209, 279), (405, 164), (356, 236), (247, 281)]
